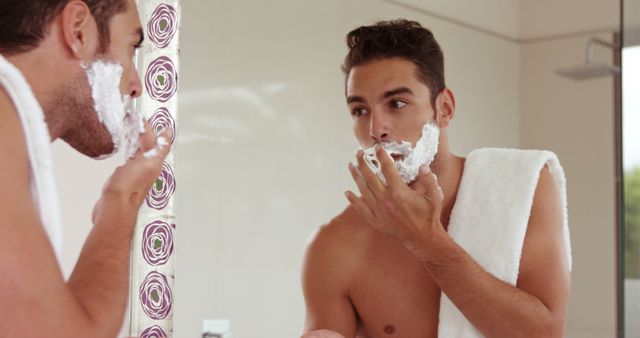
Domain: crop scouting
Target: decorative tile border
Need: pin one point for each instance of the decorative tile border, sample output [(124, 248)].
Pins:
[(152, 266)]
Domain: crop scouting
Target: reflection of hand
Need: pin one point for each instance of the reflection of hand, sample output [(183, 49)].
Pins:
[(395, 209), (322, 334), (130, 183)]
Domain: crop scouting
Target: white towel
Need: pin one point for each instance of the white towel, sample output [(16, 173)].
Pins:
[(490, 217), (38, 141)]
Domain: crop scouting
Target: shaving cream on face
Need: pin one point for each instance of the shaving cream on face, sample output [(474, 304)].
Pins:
[(133, 127), (413, 157), (116, 112)]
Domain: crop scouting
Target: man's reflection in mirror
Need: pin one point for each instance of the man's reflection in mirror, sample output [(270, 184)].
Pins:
[(438, 246)]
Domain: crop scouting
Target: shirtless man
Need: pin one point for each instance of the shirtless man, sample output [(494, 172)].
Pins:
[(379, 267), (48, 42)]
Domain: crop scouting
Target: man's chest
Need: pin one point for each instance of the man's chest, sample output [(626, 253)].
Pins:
[(394, 296)]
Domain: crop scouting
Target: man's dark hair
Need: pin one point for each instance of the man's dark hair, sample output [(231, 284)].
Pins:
[(24, 23), (398, 39)]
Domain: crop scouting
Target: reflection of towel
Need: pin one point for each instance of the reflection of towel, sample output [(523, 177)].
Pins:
[(38, 141), (490, 218)]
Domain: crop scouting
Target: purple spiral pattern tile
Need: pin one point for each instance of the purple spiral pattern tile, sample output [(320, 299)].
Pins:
[(153, 332), (161, 79), (162, 25), (152, 302), (162, 118), (162, 190), (157, 243), (155, 296)]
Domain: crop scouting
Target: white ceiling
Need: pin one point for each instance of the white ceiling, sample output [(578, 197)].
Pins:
[(499, 16), (527, 19), (539, 18)]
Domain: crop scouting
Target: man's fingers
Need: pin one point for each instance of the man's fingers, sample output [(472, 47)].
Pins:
[(366, 193), (161, 148), (427, 183), (148, 138), (149, 163), (421, 182), (361, 207), (372, 180), (322, 334), (164, 144), (388, 168)]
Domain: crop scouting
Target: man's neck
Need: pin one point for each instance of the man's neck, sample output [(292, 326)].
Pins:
[(449, 169), (42, 75)]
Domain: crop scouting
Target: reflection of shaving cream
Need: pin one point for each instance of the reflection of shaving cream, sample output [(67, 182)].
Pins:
[(423, 153), (116, 112)]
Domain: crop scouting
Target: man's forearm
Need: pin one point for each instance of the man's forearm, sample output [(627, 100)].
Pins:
[(494, 307), (100, 280)]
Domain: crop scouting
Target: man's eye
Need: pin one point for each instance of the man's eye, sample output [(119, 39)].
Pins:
[(358, 112), (397, 104)]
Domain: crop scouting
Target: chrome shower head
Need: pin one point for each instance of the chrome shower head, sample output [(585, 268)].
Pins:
[(591, 69), (588, 71)]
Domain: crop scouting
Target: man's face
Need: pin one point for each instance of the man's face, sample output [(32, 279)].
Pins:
[(126, 37), (90, 136), (387, 102)]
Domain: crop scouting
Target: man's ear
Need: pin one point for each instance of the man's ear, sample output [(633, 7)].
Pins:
[(79, 30), (445, 108)]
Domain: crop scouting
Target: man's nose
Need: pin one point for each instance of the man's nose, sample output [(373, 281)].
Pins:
[(379, 129), (135, 86)]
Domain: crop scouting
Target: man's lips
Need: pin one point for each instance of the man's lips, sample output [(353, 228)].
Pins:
[(397, 157)]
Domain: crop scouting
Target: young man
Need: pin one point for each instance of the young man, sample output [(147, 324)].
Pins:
[(389, 265), (47, 47)]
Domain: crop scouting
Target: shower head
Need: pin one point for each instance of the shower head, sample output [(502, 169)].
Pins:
[(588, 71), (591, 69)]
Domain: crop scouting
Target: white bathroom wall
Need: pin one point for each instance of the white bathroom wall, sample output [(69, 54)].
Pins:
[(576, 120)]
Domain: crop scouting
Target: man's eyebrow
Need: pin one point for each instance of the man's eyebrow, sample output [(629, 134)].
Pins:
[(140, 33), (385, 95), (351, 99), (396, 91)]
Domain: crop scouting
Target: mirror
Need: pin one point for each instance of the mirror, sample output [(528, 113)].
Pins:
[(265, 136)]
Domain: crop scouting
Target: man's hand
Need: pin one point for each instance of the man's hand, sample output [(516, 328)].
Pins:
[(131, 182), (322, 334), (395, 209), (100, 279)]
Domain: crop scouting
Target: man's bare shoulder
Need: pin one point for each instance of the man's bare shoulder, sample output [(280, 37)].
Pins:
[(330, 261), (342, 234), (337, 247)]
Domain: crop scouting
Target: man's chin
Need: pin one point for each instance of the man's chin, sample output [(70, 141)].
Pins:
[(104, 152), (94, 150)]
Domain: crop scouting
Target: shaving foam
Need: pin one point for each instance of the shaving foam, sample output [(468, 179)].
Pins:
[(161, 142), (413, 157), (133, 127), (115, 111)]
